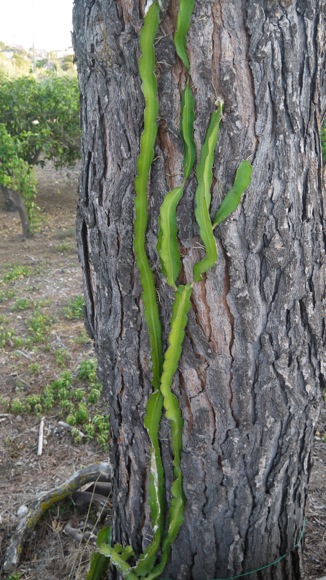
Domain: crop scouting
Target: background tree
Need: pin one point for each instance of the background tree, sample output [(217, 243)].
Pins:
[(44, 115), (39, 121), (17, 180), (249, 381)]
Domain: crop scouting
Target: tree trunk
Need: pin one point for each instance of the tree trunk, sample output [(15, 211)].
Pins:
[(15, 202), (250, 376)]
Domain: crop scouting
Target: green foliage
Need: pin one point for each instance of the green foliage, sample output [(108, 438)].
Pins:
[(64, 248), (62, 357), (15, 172), (43, 117), (6, 294), (34, 368), (22, 304), (17, 406), (7, 336), (77, 395), (74, 309), (15, 576), (39, 122), (38, 325), (16, 271), (87, 370)]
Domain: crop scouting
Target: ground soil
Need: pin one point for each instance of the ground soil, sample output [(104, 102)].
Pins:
[(54, 277)]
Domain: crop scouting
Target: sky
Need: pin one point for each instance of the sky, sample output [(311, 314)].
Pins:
[(47, 21)]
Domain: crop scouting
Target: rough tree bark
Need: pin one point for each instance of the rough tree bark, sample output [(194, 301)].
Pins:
[(250, 377)]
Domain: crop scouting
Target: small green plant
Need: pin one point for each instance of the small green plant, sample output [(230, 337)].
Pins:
[(74, 309), (34, 368), (16, 173), (44, 302), (76, 396), (22, 304), (82, 338), (76, 436), (82, 414), (38, 324), (64, 248), (90, 431), (16, 271), (33, 403), (95, 393), (17, 406), (87, 370), (62, 357), (48, 398), (33, 400), (6, 294), (15, 576), (7, 337), (102, 424), (79, 394)]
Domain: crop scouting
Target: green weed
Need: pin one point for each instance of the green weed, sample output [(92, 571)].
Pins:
[(34, 368), (17, 406), (77, 395), (87, 370), (74, 309), (82, 338), (62, 357), (22, 304), (7, 337), (15, 576), (38, 325), (16, 271), (64, 248), (6, 294)]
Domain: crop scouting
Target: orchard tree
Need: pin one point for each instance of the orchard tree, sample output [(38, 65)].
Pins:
[(39, 121), (17, 181), (44, 115), (212, 368)]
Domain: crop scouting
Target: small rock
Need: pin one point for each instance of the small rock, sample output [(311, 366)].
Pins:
[(22, 511)]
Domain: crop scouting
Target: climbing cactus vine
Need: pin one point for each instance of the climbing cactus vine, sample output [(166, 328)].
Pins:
[(167, 519)]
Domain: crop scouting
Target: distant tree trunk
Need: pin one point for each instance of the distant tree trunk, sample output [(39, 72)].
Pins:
[(250, 377), (15, 203)]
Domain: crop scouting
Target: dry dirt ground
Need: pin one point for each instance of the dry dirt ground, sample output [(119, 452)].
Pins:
[(39, 296)]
